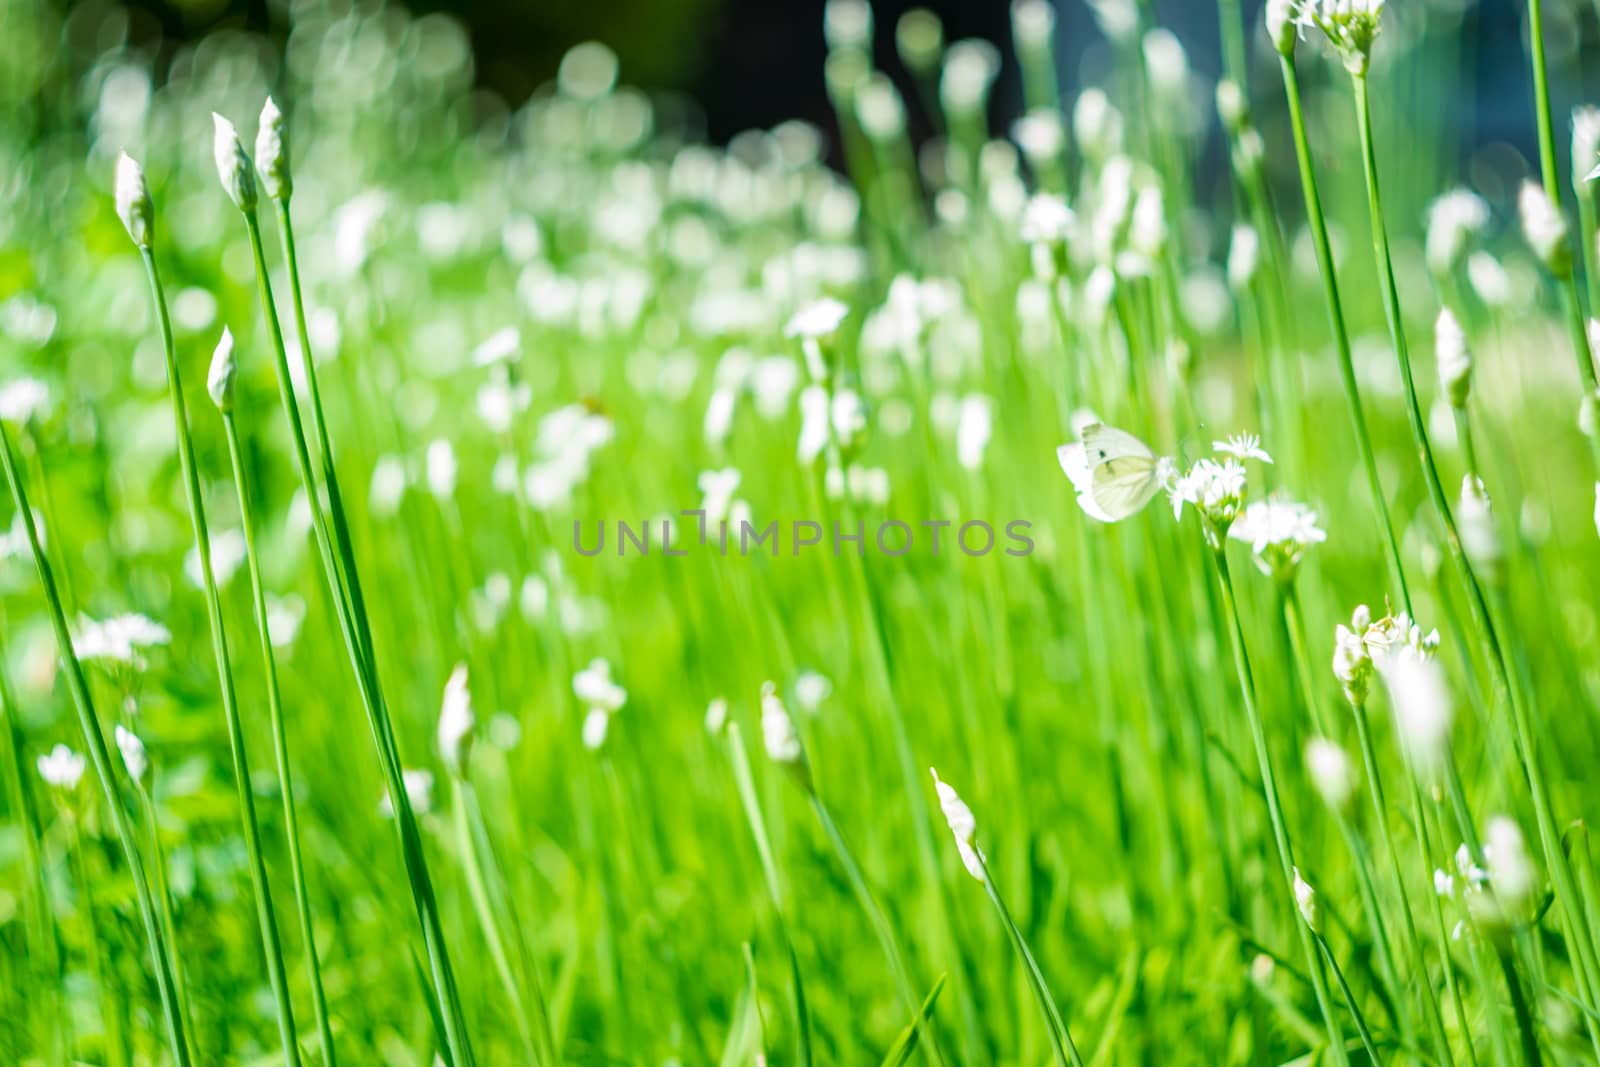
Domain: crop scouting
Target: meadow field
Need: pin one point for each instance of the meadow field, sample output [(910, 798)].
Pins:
[(1110, 581)]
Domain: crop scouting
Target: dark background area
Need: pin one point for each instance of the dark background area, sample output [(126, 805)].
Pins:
[(754, 63)]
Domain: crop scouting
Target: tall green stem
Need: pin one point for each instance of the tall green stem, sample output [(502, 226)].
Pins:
[(280, 744), (230, 705)]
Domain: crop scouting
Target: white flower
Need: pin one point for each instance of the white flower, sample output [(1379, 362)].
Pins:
[(1284, 21), (973, 429), (284, 616), (1474, 876), (1352, 659), (1585, 143), (419, 793), (719, 415), (500, 402), (228, 553), (272, 152), (1331, 771), (716, 715), (133, 754), (811, 689), (23, 400), (233, 165), (61, 768), (456, 721), (963, 825), (970, 67), (1242, 446), (1278, 533), (1305, 898), (1511, 872), (1480, 539), (499, 347), (1544, 228), (818, 319), (1453, 358), (1216, 490), (1452, 218), (118, 639), (718, 487), (1244, 256), (1444, 884), (777, 729), (1046, 219), (1350, 25), (388, 486), (593, 685), (1096, 124), (1422, 707), (814, 414), (596, 725), (133, 201), (441, 469), (1489, 279)]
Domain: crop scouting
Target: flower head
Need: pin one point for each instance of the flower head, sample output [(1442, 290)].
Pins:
[(1544, 228), (1047, 220), (418, 785), (1278, 533), (1331, 772), (224, 370), (272, 152), (23, 400), (1351, 26), (1585, 143), (1305, 898), (120, 639), (1352, 659), (1511, 871), (134, 756), (593, 685), (1453, 358), (1217, 491), (963, 825), (1422, 707), (818, 319), (1480, 538), (779, 737), (456, 721), (134, 208), (1452, 218), (1242, 446), (233, 164), (61, 768)]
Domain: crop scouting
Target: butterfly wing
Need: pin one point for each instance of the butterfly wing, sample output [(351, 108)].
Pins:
[(1102, 443), (1122, 486)]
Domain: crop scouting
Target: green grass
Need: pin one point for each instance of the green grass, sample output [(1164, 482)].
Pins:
[(481, 326)]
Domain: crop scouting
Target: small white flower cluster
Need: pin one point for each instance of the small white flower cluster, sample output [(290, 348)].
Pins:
[(119, 640), (61, 768), (1501, 889), (1351, 26), (1366, 644), (1216, 488), (602, 696), (1278, 533)]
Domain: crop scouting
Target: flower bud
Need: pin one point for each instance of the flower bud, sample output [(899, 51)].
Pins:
[(133, 754), (919, 38), (1544, 228), (1453, 358), (1305, 898), (1232, 106), (272, 153), (220, 379), (1585, 143), (456, 721), (1475, 519), (233, 164), (133, 201), (1283, 25)]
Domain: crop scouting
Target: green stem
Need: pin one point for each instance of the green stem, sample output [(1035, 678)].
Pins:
[(280, 743), (230, 705), (1350, 1001)]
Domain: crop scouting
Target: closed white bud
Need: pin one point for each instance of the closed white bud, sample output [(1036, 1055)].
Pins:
[(1096, 124), (1544, 228), (779, 737), (1453, 217), (133, 754), (1585, 143), (1453, 358), (847, 24), (1305, 898), (1511, 871), (1033, 23), (919, 38), (233, 164), (224, 369), (1244, 256), (1422, 707), (1475, 519), (272, 153), (963, 825), (1233, 108), (456, 721), (133, 201), (1283, 25)]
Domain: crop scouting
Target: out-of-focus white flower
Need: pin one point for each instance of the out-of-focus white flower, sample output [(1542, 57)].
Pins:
[(1168, 66), (596, 725), (811, 689), (441, 469), (1489, 279), (1305, 898), (1096, 125), (973, 430), (594, 687), (388, 486), (1243, 446), (1042, 136), (777, 728), (1422, 707), (500, 401), (1453, 357), (233, 164), (814, 414), (1472, 875), (61, 768), (1283, 23), (228, 553), (1147, 227), (134, 756), (502, 346), (963, 825), (1585, 143), (716, 715), (1331, 772), (1352, 660), (1480, 538), (23, 399), (817, 320), (719, 415), (1544, 228), (120, 639), (1244, 257), (456, 721), (1444, 884), (133, 201), (847, 24), (1278, 533), (284, 616), (1452, 219), (419, 793), (1046, 219), (970, 67), (1511, 871), (717, 488)]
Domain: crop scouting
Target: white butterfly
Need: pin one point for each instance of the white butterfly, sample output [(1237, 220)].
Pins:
[(1114, 472)]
